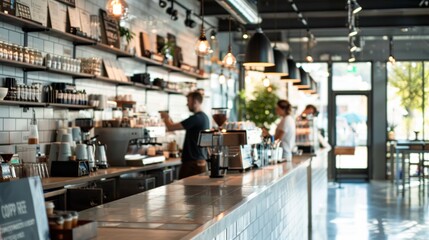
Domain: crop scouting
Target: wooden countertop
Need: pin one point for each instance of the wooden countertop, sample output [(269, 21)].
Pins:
[(185, 207), (58, 182)]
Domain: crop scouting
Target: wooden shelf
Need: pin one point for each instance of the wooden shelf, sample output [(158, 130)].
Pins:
[(22, 103), (25, 66), (106, 79), (69, 106), (106, 48), (20, 22), (148, 61), (73, 74), (170, 91), (77, 40)]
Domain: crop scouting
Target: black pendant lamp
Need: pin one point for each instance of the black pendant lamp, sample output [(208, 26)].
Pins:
[(281, 67), (305, 80), (259, 52), (313, 87), (294, 75)]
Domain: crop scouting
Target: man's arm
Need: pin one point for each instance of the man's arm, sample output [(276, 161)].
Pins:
[(169, 124)]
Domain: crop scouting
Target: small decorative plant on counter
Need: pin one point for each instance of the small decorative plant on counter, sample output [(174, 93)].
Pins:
[(261, 108), (126, 37)]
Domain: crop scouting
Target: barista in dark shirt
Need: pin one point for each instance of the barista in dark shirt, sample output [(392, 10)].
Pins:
[(193, 157)]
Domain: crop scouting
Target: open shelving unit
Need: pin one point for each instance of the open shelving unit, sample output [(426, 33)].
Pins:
[(29, 26)]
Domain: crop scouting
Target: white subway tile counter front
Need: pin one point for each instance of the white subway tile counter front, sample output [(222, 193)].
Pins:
[(267, 203)]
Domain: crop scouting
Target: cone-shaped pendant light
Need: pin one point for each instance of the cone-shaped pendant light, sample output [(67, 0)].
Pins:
[(281, 67), (259, 52), (305, 80), (294, 75)]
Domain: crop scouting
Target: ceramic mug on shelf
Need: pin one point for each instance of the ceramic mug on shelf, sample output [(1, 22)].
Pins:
[(81, 152)]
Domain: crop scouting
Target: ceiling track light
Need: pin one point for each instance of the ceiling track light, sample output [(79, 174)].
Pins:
[(352, 46), (188, 21), (172, 12), (355, 6), (391, 58), (309, 58), (352, 58), (162, 3)]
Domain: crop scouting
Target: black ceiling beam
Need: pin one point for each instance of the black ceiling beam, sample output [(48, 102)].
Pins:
[(336, 22), (335, 5)]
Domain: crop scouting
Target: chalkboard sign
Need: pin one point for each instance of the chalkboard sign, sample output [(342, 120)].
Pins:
[(22, 210), (109, 30)]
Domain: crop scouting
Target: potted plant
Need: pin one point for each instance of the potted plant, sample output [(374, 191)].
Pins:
[(261, 108), (126, 37), (168, 52), (391, 131)]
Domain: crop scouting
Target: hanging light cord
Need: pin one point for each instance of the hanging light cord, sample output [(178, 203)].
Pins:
[(202, 14), (229, 35)]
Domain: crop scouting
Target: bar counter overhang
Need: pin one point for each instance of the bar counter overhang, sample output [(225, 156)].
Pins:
[(275, 200)]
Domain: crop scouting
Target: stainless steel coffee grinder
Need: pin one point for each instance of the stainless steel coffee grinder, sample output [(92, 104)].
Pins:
[(213, 140)]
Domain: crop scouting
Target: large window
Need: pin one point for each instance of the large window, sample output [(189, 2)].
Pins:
[(407, 99), (351, 76)]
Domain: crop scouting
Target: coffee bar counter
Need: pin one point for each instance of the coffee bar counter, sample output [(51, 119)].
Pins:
[(59, 182), (270, 202)]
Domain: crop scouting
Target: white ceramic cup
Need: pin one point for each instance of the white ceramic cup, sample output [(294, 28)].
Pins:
[(65, 152), (67, 138), (60, 133), (81, 152), (53, 151), (76, 134)]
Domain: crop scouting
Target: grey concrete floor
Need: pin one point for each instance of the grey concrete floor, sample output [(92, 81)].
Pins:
[(374, 211)]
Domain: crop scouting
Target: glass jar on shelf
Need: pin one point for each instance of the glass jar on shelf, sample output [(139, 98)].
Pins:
[(15, 52), (26, 55), (20, 53), (39, 58), (31, 54), (2, 49), (9, 51)]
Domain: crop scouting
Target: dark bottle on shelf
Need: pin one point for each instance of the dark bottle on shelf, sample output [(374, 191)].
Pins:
[(60, 96)]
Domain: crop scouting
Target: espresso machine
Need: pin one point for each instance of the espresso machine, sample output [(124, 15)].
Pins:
[(131, 146), (97, 150)]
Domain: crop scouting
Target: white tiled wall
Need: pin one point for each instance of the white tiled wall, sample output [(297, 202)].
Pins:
[(14, 121)]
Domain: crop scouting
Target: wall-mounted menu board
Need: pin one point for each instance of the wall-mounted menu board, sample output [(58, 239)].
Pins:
[(109, 30), (35, 10)]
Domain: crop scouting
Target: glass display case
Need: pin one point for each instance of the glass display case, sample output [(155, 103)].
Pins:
[(307, 134)]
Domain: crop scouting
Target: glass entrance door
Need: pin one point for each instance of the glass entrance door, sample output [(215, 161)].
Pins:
[(351, 144)]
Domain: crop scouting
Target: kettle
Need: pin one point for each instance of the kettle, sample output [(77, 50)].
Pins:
[(100, 155)]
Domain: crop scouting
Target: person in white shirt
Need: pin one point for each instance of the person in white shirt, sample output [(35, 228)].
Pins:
[(285, 131)]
